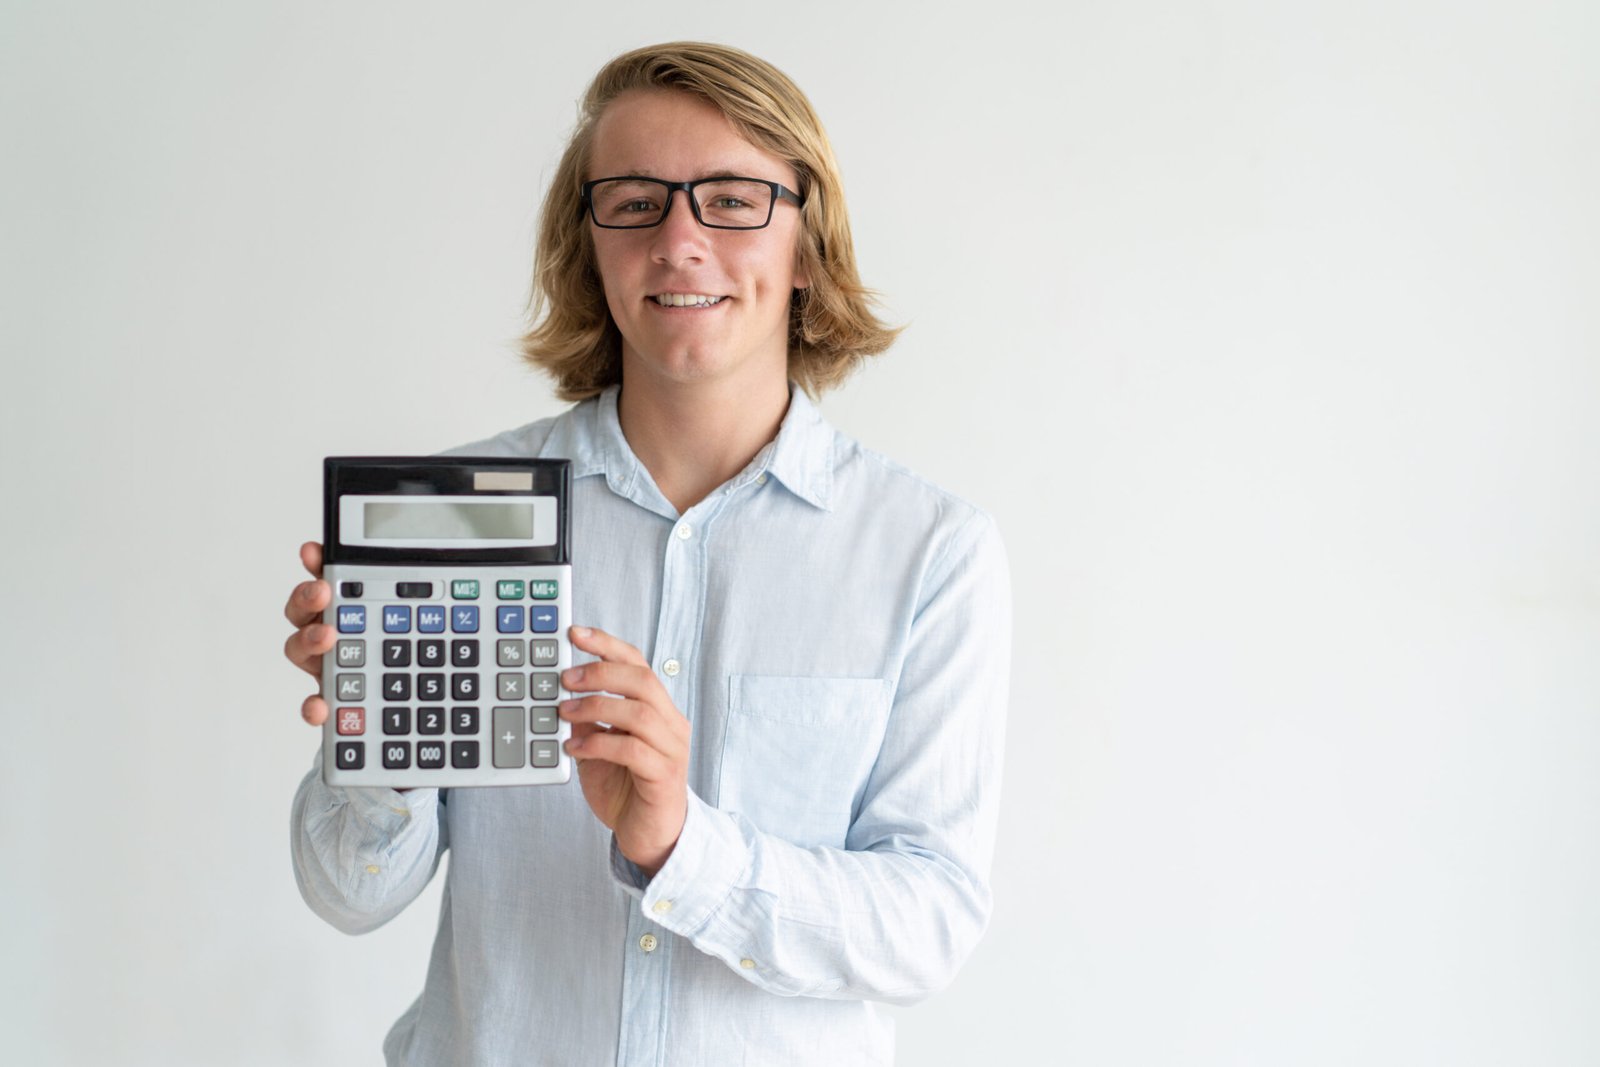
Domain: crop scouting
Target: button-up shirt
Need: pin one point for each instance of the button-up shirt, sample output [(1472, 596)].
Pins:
[(837, 632)]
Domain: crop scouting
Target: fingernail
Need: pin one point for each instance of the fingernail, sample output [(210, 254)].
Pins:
[(574, 676), (581, 631)]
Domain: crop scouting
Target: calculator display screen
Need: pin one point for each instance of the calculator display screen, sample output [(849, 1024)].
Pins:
[(453, 521)]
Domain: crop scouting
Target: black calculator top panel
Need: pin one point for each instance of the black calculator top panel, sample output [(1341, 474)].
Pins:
[(484, 478)]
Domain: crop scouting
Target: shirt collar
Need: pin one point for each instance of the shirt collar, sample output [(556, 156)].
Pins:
[(800, 457)]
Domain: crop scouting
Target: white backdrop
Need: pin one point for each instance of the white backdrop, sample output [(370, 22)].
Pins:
[(1267, 331)]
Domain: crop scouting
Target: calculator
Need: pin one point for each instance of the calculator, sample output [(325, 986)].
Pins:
[(452, 592)]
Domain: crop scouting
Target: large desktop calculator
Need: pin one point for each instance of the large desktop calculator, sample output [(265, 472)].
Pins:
[(452, 593)]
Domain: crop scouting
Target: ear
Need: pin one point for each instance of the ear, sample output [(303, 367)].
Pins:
[(802, 277)]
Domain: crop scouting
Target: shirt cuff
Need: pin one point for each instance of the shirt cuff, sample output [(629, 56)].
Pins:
[(710, 859), (385, 810)]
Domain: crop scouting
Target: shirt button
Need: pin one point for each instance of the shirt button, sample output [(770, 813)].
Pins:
[(748, 964), (671, 668), (662, 907), (371, 869), (761, 479), (685, 531), (648, 942)]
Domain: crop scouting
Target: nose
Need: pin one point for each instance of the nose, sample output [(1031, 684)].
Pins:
[(680, 238)]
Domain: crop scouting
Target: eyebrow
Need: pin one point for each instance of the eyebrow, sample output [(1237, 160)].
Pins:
[(706, 172)]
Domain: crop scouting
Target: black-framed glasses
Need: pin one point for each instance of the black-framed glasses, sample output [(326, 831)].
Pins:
[(635, 203)]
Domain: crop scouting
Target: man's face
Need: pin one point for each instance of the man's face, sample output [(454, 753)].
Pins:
[(743, 337)]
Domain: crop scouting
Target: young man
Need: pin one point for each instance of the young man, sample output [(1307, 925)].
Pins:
[(800, 650)]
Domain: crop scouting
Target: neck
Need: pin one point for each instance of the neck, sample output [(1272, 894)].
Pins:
[(694, 437)]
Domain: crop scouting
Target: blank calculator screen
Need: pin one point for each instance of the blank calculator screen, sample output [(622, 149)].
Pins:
[(449, 521)]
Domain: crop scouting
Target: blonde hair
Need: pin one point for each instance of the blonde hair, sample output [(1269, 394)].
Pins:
[(831, 325)]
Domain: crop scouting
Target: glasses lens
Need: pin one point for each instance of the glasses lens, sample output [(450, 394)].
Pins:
[(734, 203), (628, 203)]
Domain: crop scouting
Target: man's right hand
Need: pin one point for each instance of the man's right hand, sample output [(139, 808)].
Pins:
[(312, 637)]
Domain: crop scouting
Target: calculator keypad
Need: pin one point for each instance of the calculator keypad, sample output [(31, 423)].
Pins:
[(475, 704)]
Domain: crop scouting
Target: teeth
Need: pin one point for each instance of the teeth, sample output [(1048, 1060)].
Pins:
[(678, 300)]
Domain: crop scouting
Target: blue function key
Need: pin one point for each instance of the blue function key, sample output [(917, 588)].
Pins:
[(464, 618), (396, 620), (542, 619), (508, 619), (353, 619), (430, 620)]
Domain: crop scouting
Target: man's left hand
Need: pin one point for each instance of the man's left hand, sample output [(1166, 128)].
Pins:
[(635, 769)]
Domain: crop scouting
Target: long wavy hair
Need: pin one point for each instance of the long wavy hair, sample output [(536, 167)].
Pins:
[(832, 327)]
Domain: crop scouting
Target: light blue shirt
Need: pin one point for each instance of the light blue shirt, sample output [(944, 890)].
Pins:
[(841, 636)]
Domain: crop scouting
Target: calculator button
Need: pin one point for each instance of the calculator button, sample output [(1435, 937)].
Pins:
[(464, 653), (397, 653), (509, 589), (542, 620), (352, 721), (546, 589), (544, 720), (397, 687), (464, 589), (508, 620), (413, 590), (463, 755), (396, 721), (508, 738), (463, 720), (350, 590), (430, 653), (430, 754), (353, 653), (397, 755), (430, 687), (430, 620), (543, 753), (351, 687), (350, 755), (397, 620), (464, 686), (430, 721), (353, 619), (509, 687), (508, 653), (544, 652), (464, 618), (545, 685)]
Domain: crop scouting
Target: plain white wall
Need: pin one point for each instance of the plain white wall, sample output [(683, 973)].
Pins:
[(1267, 331)]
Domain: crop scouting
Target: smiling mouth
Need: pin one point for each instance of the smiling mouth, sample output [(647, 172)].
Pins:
[(686, 300)]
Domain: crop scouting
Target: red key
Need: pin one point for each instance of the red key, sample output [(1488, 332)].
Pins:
[(352, 721)]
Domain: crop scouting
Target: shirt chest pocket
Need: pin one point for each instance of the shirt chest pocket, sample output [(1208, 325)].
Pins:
[(798, 751)]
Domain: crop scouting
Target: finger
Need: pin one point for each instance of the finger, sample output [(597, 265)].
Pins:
[(599, 643), (625, 750), (307, 603), (314, 710), (311, 557), (642, 720), (634, 680), (307, 645)]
